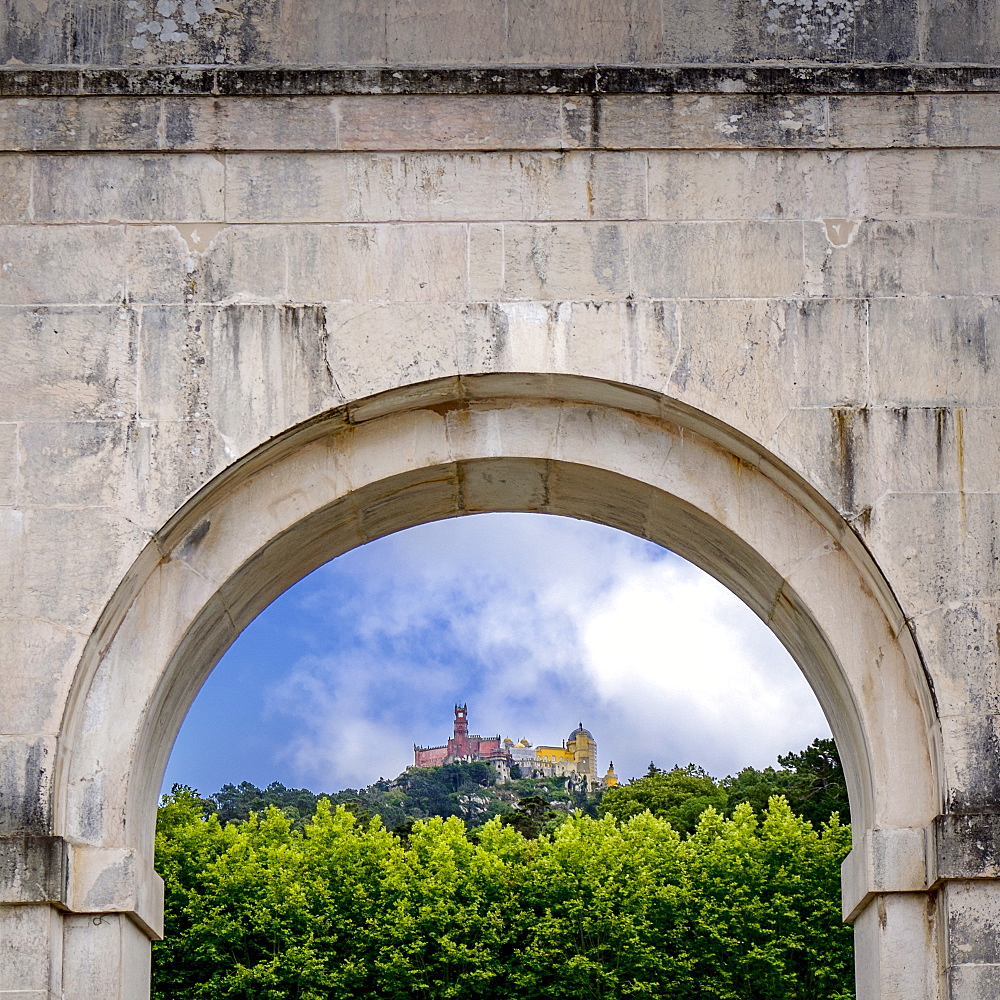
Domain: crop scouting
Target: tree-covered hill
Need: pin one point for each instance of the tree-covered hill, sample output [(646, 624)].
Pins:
[(467, 790), (812, 781)]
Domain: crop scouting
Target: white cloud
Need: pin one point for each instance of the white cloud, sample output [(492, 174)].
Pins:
[(538, 623), (693, 669)]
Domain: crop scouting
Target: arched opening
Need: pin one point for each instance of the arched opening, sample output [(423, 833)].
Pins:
[(536, 622), (566, 445)]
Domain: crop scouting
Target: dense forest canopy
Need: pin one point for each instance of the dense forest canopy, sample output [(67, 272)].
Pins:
[(675, 885)]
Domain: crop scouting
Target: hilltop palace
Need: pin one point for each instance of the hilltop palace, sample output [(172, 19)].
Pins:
[(575, 759)]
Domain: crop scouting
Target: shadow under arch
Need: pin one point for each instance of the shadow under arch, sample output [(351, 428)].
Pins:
[(569, 445)]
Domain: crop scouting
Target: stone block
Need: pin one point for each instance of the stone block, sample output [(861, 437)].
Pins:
[(26, 34), (408, 263), (61, 124), (935, 351), (972, 982), (907, 258), (961, 650), (565, 260), (347, 33), (166, 264), (67, 363), (30, 952), (209, 35), (41, 582), (109, 956), (936, 548), (168, 461), (858, 185), (249, 369), (293, 187), (190, 123), (962, 31), (884, 860), (15, 189), (924, 184), (855, 453), (9, 462), (27, 764), (970, 744), (896, 948), (618, 340), (430, 495), (757, 184), (682, 121), (487, 261), (582, 32), (451, 122), (913, 120), (128, 188), (445, 32), (970, 929), (967, 846), (696, 260), (597, 496), (72, 463), (115, 880), (374, 347), (751, 362), (364, 122), (707, 31), (37, 661), (489, 486), (61, 264), (33, 869), (554, 336), (419, 187)]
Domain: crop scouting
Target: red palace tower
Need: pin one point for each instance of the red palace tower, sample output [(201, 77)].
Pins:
[(461, 746)]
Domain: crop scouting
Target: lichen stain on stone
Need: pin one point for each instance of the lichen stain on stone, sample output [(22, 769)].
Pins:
[(175, 21), (730, 126), (813, 23)]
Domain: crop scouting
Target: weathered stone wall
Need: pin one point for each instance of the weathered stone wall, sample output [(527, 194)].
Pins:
[(496, 32), (258, 304)]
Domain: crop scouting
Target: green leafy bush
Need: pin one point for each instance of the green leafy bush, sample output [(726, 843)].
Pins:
[(744, 908)]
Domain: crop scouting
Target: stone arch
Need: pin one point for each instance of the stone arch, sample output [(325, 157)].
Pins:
[(560, 444)]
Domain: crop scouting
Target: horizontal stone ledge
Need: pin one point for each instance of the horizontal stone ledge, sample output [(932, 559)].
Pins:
[(285, 81), (457, 122), (81, 879)]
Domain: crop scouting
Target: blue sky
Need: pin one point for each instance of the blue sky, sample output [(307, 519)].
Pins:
[(537, 622)]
